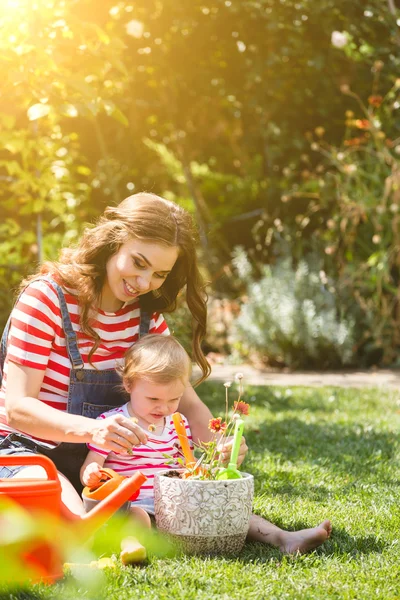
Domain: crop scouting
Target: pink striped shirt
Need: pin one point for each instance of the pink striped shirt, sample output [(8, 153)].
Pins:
[(37, 340), (148, 459)]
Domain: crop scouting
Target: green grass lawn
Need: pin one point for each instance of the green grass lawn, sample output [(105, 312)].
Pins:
[(315, 454)]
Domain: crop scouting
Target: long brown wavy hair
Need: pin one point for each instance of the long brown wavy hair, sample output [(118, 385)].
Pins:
[(149, 218)]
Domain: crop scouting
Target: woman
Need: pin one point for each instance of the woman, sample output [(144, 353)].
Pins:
[(73, 322)]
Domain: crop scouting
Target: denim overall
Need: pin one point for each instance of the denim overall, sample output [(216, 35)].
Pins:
[(91, 393)]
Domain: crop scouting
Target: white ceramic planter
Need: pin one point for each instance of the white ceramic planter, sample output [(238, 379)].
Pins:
[(205, 517)]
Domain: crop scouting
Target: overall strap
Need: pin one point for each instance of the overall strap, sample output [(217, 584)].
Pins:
[(144, 323), (70, 337), (3, 346)]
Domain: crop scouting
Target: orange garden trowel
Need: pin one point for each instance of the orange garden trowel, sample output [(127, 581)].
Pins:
[(183, 440), (109, 482), (231, 472)]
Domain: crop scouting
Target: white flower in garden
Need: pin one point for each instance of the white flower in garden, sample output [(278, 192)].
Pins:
[(134, 28), (239, 376), (228, 384), (339, 39)]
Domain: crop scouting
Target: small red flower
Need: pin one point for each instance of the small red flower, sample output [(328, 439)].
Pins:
[(356, 141), (362, 123), (375, 101), (216, 425), (241, 407)]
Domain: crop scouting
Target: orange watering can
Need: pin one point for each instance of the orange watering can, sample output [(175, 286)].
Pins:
[(44, 496)]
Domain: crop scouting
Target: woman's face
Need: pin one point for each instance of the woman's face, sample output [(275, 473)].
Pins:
[(137, 268)]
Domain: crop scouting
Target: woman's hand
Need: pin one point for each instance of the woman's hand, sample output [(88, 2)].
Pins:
[(91, 476), (117, 434), (226, 450)]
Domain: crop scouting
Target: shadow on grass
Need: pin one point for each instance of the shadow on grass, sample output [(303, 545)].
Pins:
[(350, 547), (19, 594), (339, 544), (342, 448), (282, 484), (343, 543)]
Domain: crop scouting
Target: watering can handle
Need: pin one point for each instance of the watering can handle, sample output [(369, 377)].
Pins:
[(237, 438), (31, 460)]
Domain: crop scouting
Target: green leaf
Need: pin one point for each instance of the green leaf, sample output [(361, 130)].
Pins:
[(69, 110), (101, 34), (8, 121), (37, 111), (14, 146), (83, 170), (114, 112), (119, 116)]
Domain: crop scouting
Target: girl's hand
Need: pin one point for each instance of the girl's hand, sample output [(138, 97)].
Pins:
[(117, 433), (91, 475), (226, 450)]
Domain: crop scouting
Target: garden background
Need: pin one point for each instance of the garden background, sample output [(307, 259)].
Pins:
[(274, 121)]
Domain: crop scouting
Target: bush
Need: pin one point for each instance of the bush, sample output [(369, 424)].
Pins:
[(292, 317), (180, 325), (357, 202)]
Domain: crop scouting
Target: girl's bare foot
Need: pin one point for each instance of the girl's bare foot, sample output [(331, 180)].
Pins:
[(305, 539)]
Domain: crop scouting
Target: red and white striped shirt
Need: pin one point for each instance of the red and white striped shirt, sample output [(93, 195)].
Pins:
[(37, 339), (148, 459)]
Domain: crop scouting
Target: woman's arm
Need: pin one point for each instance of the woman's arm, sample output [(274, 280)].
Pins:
[(29, 415), (199, 416)]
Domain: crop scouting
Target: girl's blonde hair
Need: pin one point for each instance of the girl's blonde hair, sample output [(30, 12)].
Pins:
[(156, 358), (148, 218)]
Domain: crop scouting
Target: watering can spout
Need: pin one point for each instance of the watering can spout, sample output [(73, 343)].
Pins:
[(106, 507), (109, 505)]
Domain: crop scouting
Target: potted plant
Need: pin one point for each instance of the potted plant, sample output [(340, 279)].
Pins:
[(204, 507)]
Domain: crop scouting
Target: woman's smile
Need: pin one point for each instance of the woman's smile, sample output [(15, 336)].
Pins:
[(129, 290)]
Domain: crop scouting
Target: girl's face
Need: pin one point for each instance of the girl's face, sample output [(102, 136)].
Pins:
[(137, 268), (151, 402)]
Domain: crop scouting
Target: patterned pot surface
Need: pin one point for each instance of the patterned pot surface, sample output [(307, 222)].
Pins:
[(195, 510)]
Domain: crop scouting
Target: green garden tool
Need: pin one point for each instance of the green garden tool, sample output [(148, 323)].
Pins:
[(231, 472)]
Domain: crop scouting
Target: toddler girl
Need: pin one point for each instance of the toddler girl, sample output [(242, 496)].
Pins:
[(155, 375)]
